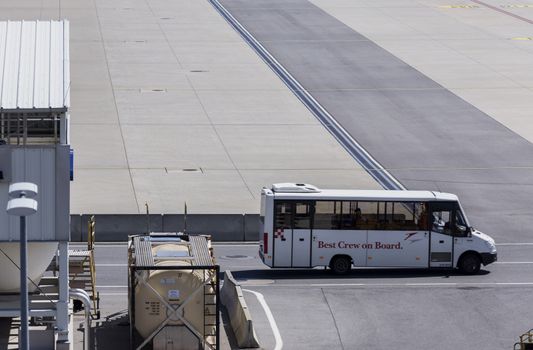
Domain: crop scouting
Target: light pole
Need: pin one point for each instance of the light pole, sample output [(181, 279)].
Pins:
[(22, 204)]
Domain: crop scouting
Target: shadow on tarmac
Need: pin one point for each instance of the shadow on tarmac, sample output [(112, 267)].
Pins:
[(286, 274), (113, 333), (6, 338), (225, 322)]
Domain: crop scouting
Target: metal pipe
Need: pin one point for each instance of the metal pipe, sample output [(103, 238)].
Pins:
[(83, 296), (24, 335)]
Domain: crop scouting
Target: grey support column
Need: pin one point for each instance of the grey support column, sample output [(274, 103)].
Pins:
[(24, 335), (63, 302)]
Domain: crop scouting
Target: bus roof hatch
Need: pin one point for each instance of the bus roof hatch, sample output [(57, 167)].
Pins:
[(295, 188)]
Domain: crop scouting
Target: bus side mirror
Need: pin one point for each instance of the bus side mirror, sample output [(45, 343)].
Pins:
[(464, 230)]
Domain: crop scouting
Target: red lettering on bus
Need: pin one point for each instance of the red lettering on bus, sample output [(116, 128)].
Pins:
[(380, 245), (322, 244)]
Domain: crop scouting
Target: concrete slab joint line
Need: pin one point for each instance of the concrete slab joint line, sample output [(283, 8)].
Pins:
[(333, 317), (238, 313), (372, 166)]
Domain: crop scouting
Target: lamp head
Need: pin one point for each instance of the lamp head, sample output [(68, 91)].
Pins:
[(21, 206), (19, 188)]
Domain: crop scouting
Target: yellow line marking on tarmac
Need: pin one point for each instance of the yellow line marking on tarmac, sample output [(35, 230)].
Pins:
[(523, 38), (458, 6), (518, 6)]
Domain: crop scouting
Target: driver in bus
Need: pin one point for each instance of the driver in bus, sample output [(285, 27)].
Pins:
[(439, 225), (423, 218)]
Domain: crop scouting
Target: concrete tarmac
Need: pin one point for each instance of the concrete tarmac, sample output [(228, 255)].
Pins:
[(369, 308), (414, 124), (426, 136), (169, 105), (429, 138)]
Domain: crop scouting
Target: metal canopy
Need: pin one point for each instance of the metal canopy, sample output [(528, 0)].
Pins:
[(34, 66)]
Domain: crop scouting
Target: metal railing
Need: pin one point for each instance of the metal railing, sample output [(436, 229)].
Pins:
[(30, 128)]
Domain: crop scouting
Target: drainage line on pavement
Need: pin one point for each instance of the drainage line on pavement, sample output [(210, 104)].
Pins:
[(372, 166)]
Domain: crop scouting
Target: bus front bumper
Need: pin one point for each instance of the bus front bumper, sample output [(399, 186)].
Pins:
[(489, 258)]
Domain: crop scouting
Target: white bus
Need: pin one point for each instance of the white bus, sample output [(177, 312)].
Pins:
[(303, 226)]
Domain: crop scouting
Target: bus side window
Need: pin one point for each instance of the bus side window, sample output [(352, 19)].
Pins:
[(385, 213), (327, 215), (283, 215), (421, 216), (369, 216), (302, 215), (440, 218), (351, 214), (403, 216), (442, 222), (459, 227)]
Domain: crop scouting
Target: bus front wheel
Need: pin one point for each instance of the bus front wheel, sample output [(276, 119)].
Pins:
[(470, 264), (340, 265)]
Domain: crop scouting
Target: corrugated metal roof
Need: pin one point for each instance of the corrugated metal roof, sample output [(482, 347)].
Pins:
[(34, 65)]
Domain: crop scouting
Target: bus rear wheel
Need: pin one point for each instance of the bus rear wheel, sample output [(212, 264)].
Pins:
[(470, 264), (340, 265)]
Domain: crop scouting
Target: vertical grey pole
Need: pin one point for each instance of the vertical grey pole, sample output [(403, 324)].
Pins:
[(62, 303), (185, 219), (147, 218), (24, 337)]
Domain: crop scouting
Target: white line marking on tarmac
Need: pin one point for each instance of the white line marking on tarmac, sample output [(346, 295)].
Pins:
[(270, 317), (251, 244), (110, 265), (110, 294), (511, 244), (111, 286), (421, 284), (437, 284)]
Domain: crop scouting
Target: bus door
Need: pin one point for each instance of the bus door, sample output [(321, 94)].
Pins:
[(440, 225), (292, 234), (301, 234), (282, 250)]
